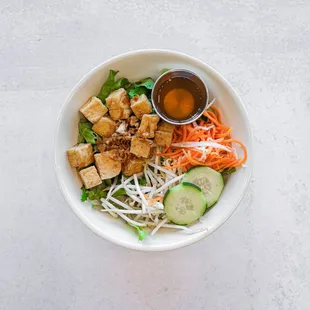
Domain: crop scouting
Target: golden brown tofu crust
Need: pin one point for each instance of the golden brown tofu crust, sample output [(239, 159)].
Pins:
[(119, 105), (81, 155), (164, 134), (163, 138), (107, 167), (140, 105), (120, 155), (105, 127), (133, 165), (90, 177), (93, 109), (167, 127), (140, 147), (148, 125)]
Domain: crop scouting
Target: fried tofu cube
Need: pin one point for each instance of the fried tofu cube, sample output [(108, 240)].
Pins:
[(140, 147), (81, 155), (90, 177), (107, 167), (119, 105), (105, 127), (167, 127), (140, 105), (164, 133), (163, 138), (133, 165), (93, 109), (118, 154), (148, 125)]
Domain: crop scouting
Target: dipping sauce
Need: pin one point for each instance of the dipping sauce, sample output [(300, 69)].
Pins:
[(179, 98)]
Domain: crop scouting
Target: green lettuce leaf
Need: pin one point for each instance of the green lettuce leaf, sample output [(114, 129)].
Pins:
[(142, 181), (95, 193), (108, 182), (136, 91), (84, 195), (147, 83), (86, 134), (107, 87), (143, 86), (120, 192), (98, 192), (121, 83), (110, 85)]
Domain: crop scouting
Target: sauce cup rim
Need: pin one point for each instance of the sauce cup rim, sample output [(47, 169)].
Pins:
[(161, 79)]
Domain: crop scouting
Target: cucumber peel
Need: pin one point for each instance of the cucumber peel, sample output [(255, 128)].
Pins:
[(210, 181), (184, 203)]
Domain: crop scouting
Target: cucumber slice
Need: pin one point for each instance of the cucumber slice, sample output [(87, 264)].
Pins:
[(184, 203), (210, 181)]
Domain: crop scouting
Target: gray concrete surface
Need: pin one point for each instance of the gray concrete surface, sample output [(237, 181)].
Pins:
[(258, 260)]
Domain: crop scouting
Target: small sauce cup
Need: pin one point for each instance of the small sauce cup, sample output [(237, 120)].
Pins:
[(180, 96)]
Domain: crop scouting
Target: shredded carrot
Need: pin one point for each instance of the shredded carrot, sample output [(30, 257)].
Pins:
[(153, 200), (209, 156), (219, 114)]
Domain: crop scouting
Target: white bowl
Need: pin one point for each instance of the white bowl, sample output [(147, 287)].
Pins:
[(136, 65)]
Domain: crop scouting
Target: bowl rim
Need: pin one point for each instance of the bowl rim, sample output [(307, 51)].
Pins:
[(142, 247)]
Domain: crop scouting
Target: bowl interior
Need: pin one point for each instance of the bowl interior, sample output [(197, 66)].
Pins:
[(134, 66)]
